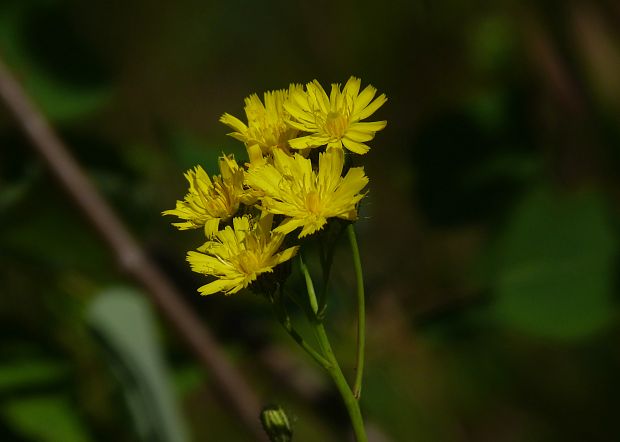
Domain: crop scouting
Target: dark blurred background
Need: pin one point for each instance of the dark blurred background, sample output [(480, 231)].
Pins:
[(489, 236)]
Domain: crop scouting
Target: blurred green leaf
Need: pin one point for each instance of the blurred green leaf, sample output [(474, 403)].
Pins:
[(464, 173), (514, 166), (27, 373), (555, 275), (13, 192), (492, 42), (189, 149), (60, 98), (62, 102), (187, 379), (122, 320), (46, 419), (488, 107), (38, 237)]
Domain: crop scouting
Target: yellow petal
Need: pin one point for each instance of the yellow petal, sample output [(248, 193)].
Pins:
[(368, 126), (219, 285), (285, 255), (256, 155), (350, 92), (359, 136), (308, 141), (233, 122), (211, 227), (363, 99), (370, 109), (317, 97), (288, 225), (313, 226), (330, 169), (354, 146)]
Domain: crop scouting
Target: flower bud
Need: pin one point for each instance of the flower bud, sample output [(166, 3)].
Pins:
[(276, 424)]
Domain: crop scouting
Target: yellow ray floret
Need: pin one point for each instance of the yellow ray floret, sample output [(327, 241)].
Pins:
[(237, 255), (210, 201), (335, 121), (290, 187), (266, 128)]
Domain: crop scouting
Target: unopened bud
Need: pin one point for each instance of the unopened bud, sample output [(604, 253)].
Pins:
[(276, 424)]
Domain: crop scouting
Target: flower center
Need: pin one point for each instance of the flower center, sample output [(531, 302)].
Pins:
[(336, 124), (248, 262), (313, 202)]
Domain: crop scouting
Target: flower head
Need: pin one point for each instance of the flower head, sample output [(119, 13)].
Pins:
[(210, 201), (266, 129), (335, 120), (290, 187), (237, 255)]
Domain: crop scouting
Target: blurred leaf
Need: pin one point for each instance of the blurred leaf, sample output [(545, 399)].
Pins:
[(189, 149), (514, 166), (46, 419), (27, 373), (450, 155), (62, 102), (13, 192), (555, 275), (488, 107), (38, 237), (29, 31), (187, 379), (492, 42), (122, 319), (392, 397)]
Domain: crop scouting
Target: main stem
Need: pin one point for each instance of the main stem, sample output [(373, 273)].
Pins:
[(333, 368), (335, 372)]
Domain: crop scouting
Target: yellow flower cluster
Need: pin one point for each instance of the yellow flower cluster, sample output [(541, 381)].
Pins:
[(247, 212)]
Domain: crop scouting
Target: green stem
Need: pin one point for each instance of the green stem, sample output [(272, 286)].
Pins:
[(350, 402), (327, 255), (311, 294), (303, 344), (361, 313), (284, 319)]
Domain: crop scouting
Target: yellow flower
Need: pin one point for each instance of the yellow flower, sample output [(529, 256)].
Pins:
[(290, 187), (210, 201), (335, 120), (237, 255), (266, 129)]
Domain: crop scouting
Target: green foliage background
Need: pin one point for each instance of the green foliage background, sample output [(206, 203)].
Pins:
[(489, 237)]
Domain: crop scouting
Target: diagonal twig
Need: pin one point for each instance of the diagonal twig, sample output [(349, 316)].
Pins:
[(130, 255)]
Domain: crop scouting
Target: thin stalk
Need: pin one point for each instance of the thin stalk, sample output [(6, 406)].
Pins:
[(327, 255), (308, 315), (285, 321), (311, 294), (334, 370), (311, 351), (361, 313)]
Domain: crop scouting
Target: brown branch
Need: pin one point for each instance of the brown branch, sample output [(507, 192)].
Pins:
[(552, 67), (131, 257)]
